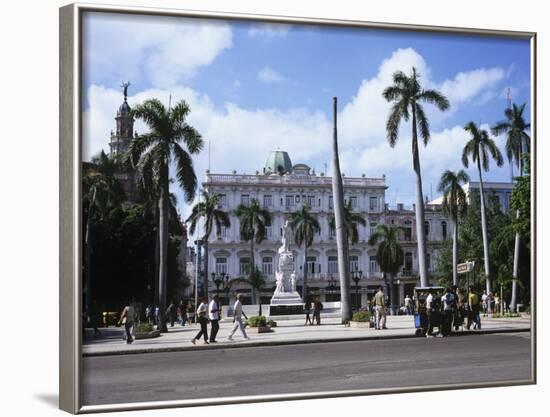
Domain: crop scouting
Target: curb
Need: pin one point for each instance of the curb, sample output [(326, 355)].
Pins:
[(286, 342)]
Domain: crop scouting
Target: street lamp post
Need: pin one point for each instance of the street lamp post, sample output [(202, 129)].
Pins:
[(356, 276)]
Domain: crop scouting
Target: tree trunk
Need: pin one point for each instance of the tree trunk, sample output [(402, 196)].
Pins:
[(341, 232), (419, 208), (252, 264), (88, 258), (513, 301), (157, 268), (163, 253), (393, 309), (304, 290), (484, 229), (205, 283), (455, 251)]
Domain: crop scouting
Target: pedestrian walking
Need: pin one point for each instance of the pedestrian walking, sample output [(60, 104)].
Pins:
[(127, 317), (317, 307), (307, 310), (430, 314), (182, 312), (190, 310), (380, 309), (157, 317), (484, 303), (213, 314), (473, 309), (171, 313), (408, 302), (238, 314), (203, 321), (448, 303)]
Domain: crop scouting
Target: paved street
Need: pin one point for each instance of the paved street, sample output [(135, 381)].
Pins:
[(305, 368)]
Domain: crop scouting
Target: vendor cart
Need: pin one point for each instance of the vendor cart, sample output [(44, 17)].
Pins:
[(421, 319)]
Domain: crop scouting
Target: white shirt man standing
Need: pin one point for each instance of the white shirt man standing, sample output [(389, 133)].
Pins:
[(238, 313), (408, 304), (213, 315)]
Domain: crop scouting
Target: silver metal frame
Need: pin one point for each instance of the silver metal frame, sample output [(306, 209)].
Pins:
[(70, 250)]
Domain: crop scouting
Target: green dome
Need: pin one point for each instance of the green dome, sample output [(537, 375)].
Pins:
[(278, 162)]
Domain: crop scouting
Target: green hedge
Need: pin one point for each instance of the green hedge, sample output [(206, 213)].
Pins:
[(256, 321), (144, 327), (361, 316)]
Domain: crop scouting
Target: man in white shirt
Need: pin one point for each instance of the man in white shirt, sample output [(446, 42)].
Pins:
[(408, 304), (237, 318), (213, 315), (429, 314)]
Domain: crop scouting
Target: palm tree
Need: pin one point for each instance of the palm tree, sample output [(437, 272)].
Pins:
[(518, 141), (454, 205), (480, 147), (351, 222), (154, 152), (213, 216), (100, 190), (340, 226), (406, 93), (253, 223), (389, 254), (304, 225), (257, 281)]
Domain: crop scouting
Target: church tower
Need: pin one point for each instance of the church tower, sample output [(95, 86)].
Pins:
[(121, 138), (120, 143)]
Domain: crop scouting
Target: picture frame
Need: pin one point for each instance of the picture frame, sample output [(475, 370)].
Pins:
[(71, 251)]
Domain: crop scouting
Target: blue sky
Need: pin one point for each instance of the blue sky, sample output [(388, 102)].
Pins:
[(257, 87)]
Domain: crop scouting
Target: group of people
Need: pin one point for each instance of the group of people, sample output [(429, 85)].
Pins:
[(450, 310), (210, 313), (175, 312), (316, 306)]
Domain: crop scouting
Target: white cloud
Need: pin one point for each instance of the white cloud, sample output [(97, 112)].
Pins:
[(269, 30), (162, 49), (268, 75), (467, 85), (242, 138)]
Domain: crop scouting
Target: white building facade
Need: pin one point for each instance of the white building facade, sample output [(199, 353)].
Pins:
[(283, 188)]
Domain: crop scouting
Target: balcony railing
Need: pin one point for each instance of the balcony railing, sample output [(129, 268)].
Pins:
[(291, 180)]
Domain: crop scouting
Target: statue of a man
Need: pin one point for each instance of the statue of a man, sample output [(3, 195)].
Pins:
[(285, 240)]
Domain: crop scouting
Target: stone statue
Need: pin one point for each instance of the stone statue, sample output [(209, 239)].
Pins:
[(125, 86), (285, 240), (285, 289)]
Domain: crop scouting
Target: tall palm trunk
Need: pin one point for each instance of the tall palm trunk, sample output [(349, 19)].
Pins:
[(252, 265), (455, 250), (205, 267), (163, 252), (392, 294), (513, 301), (88, 257), (341, 232), (419, 211), (484, 227), (157, 267), (304, 290)]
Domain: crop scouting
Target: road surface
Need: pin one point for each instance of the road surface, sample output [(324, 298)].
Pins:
[(306, 368)]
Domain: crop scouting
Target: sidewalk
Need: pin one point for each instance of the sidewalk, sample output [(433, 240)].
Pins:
[(290, 331)]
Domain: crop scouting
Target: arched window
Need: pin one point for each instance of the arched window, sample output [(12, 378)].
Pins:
[(426, 228), (267, 265), (444, 230)]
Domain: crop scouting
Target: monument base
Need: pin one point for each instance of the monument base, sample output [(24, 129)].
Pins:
[(284, 304), (286, 310)]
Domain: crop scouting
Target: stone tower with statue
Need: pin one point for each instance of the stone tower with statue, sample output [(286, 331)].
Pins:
[(120, 142)]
